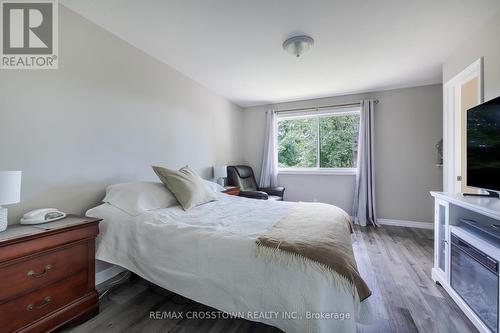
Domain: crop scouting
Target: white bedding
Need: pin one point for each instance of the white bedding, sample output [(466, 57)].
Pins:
[(208, 254)]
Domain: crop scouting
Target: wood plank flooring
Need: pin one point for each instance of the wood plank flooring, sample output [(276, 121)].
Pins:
[(395, 262)]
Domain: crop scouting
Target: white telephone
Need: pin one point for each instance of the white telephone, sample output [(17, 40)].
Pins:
[(42, 216)]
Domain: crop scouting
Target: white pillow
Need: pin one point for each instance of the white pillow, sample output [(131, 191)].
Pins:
[(137, 197), (215, 187)]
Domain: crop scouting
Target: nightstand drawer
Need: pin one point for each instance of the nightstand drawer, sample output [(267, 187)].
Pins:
[(24, 310), (41, 270)]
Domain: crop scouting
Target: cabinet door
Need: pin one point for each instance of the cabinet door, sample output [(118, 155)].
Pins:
[(441, 238)]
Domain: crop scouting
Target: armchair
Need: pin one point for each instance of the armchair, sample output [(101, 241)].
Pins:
[(242, 176)]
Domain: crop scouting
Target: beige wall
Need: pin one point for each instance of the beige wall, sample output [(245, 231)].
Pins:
[(483, 43), (106, 115), (408, 124)]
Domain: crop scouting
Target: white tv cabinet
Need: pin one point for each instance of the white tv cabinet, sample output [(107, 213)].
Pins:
[(449, 208)]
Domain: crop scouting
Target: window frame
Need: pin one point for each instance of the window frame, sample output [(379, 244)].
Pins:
[(318, 113)]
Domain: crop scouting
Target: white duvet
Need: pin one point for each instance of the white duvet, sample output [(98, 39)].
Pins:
[(208, 254)]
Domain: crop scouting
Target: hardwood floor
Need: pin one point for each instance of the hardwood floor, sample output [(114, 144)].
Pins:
[(395, 262)]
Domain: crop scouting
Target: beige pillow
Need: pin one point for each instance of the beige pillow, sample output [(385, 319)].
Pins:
[(188, 188)]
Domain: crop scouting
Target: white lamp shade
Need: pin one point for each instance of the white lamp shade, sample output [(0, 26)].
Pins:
[(10, 187), (220, 171)]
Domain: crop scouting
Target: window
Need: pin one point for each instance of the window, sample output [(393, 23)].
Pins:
[(324, 141)]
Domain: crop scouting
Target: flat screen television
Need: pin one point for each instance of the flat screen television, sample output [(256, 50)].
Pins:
[(483, 146)]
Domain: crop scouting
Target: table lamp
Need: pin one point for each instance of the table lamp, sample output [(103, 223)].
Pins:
[(10, 193), (220, 172)]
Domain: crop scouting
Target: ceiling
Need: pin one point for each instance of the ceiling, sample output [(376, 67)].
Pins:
[(234, 48)]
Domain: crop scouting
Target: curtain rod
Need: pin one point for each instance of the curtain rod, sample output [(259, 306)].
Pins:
[(323, 107)]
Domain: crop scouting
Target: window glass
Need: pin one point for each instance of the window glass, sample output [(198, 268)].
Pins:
[(297, 142), (338, 141), (318, 141)]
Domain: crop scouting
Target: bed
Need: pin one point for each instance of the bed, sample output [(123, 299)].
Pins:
[(208, 254)]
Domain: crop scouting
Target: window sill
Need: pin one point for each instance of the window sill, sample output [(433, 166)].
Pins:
[(338, 172)]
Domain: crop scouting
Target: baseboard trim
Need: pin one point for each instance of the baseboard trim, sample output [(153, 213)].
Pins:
[(108, 273), (408, 224)]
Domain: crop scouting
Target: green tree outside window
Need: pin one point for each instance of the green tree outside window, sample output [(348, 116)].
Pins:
[(298, 141)]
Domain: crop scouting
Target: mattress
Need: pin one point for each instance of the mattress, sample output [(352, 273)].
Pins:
[(208, 254)]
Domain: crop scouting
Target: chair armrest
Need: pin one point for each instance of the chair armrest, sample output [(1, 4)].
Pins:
[(278, 190), (254, 195)]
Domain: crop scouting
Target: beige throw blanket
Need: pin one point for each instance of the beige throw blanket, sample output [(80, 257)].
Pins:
[(320, 234)]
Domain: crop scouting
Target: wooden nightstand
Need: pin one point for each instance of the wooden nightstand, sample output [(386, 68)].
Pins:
[(47, 273), (231, 190)]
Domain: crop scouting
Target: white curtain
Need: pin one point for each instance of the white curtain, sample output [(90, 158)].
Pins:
[(269, 170), (363, 210)]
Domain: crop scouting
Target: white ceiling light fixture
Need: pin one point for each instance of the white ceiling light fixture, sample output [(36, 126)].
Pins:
[(298, 45)]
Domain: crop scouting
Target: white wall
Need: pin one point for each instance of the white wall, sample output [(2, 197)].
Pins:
[(484, 43), (408, 124), (106, 115)]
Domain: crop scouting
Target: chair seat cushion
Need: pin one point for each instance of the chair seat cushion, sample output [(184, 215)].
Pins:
[(277, 190), (254, 195)]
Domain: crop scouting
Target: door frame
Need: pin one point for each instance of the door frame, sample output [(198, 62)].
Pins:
[(452, 123)]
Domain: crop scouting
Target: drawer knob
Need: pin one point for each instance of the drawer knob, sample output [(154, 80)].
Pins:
[(32, 306), (32, 273)]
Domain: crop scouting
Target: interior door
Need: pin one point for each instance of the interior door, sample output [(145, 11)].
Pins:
[(461, 93)]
